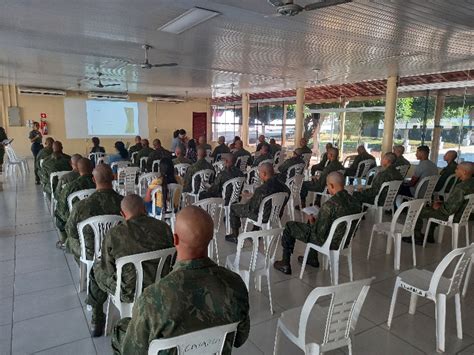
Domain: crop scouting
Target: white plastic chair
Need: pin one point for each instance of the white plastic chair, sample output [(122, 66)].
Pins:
[(100, 226), (13, 161), (143, 161), (236, 185), (218, 166), (252, 179), (351, 224), (444, 192), (242, 162), (335, 324), (80, 195), (403, 169), (395, 230), (202, 342), (275, 202), (349, 160), (214, 207), (143, 181), (101, 160), (125, 183), (392, 188), (294, 170), (437, 288), (174, 194), (256, 263), (133, 157), (52, 177), (119, 164), (362, 170), (155, 166), (181, 169), (468, 277), (455, 227), (124, 308), (424, 190), (205, 177), (294, 184), (95, 156), (266, 161), (307, 158), (276, 158)]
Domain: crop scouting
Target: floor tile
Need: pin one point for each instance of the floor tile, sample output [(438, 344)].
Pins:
[(6, 310), (5, 339), (44, 302), (34, 228), (49, 331), (289, 294), (80, 347), (248, 348), (7, 268), (41, 262), (103, 345), (6, 287), (42, 280), (376, 307), (7, 248)]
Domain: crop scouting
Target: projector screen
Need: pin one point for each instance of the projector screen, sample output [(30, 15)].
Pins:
[(108, 119)]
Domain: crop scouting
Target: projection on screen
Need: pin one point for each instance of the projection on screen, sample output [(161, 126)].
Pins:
[(112, 118)]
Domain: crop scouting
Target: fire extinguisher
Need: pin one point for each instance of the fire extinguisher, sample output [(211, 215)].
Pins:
[(44, 127)]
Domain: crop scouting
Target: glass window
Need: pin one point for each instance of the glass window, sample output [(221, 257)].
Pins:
[(227, 122)]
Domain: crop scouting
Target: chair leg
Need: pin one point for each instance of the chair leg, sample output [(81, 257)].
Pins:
[(467, 233), (440, 234), (370, 244), (467, 279), (82, 277), (455, 235), (334, 269), (440, 316), (216, 250), (269, 292), (397, 246), (413, 302), (349, 264), (457, 302), (275, 345), (413, 250), (426, 234), (305, 259), (393, 302)]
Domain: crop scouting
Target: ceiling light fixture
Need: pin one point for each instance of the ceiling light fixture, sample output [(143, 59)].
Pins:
[(189, 19)]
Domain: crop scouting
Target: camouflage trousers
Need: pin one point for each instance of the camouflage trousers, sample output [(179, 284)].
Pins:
[(426, 213), (363, 197), (98, 293), (310, 186), (61, 225), (73, 246), (299, 231), (238, 211), (118, 334)]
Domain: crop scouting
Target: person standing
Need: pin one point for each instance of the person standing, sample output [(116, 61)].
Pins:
[(36, 139), (3, 137)]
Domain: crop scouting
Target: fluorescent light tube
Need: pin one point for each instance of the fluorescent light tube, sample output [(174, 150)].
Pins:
[(187, 20)]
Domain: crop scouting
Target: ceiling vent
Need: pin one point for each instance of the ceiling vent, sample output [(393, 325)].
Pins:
[(110, 96), (165, 98), (40, 91)]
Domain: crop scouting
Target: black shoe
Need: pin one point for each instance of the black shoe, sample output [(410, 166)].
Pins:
[(97, 330), (308, 262), (37, 182), (283, 266), (60, 245), (231, 238)]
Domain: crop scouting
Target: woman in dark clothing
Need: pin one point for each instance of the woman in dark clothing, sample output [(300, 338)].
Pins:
[(97, 148), (36, 139), (191, 152)]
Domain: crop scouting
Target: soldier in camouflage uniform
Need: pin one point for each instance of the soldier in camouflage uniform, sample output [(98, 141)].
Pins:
[(201, 164), (196, 295), (57, 161), (361, 156), (136, 147), (180, 158), (324, 159), (69, 177), (389, 173), (144, 152), (203, 143), (450, 158), (139, 234), (455, 203), (304, 146), (83, 182), (264, 155), (297, 158), (104, 201), (220, 149), (339, 205), (43, 154), (157, 154), (271, 185), (230, 172), (398, 150), (240, 152), (274, 147), (318, 185)]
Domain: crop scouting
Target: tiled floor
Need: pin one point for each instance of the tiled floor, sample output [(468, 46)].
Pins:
[(41, 311)]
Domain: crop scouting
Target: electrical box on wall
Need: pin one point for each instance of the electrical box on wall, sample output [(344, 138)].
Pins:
[(14, 118)]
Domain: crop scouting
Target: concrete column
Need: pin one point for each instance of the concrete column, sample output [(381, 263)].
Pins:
[(244, 135), (440, 99), (283, 127), (390, 111), (342, 130), (208, 121), (299, 115)]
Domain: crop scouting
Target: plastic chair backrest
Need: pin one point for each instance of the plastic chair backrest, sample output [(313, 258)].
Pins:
[(392, 188), (252, 176), (143, 161), (133, 157), (242, 162), (468, 209), (56, 175), (208, 153), (266, 161), (181, 169), (464, 256), (364, 167), (348, 160), (294, 184), (95, 156), (347, 300), (100, 226), (144, 180), (236, 185), (306, 158), (294, 170), (119, 164), (81, 195), (214, 207), (269, 239), (351, 223), (276, 157), (126, 176), (276, 202), (413, 208), (205, 176), (101, 160), (219, 166), (425, 188), (137, 260), (403, 169), (448, 184), (155, 166), (202, 342)]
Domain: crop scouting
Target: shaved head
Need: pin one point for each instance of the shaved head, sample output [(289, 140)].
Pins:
[(103, 174), (84, 166), (201, 152), (194, 230), (336, 179), (450, 155), (266, 171), (132, 206), (75, 158), (467, 167), (57, 147), (49, 141)]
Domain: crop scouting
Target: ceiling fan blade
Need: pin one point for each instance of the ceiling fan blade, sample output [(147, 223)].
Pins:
[(164, 65), (278, 3), (325, 3), (108, 85)]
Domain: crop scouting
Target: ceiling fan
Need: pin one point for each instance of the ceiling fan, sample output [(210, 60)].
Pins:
[(147, 65), (100, 85), (289, 8)]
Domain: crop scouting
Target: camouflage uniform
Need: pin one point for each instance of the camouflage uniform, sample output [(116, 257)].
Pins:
[(215, 190), (401, 161), (51, 165), (142, 153), (219, 150), (182, 160), (274, 148), (206, 146), (62, 209), (137, 235), (65, 179), (134, 148), (445, 174), (43, 154), (320, 184), (242, 152), (197, 294), (261, 158), (321, 165), (251, 207), (387, 175), (288, 163), (350, 171), (340, 205), (455, 204), (157, 154), (101, 202), (201, 164), (306, 150), (3, 136)]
